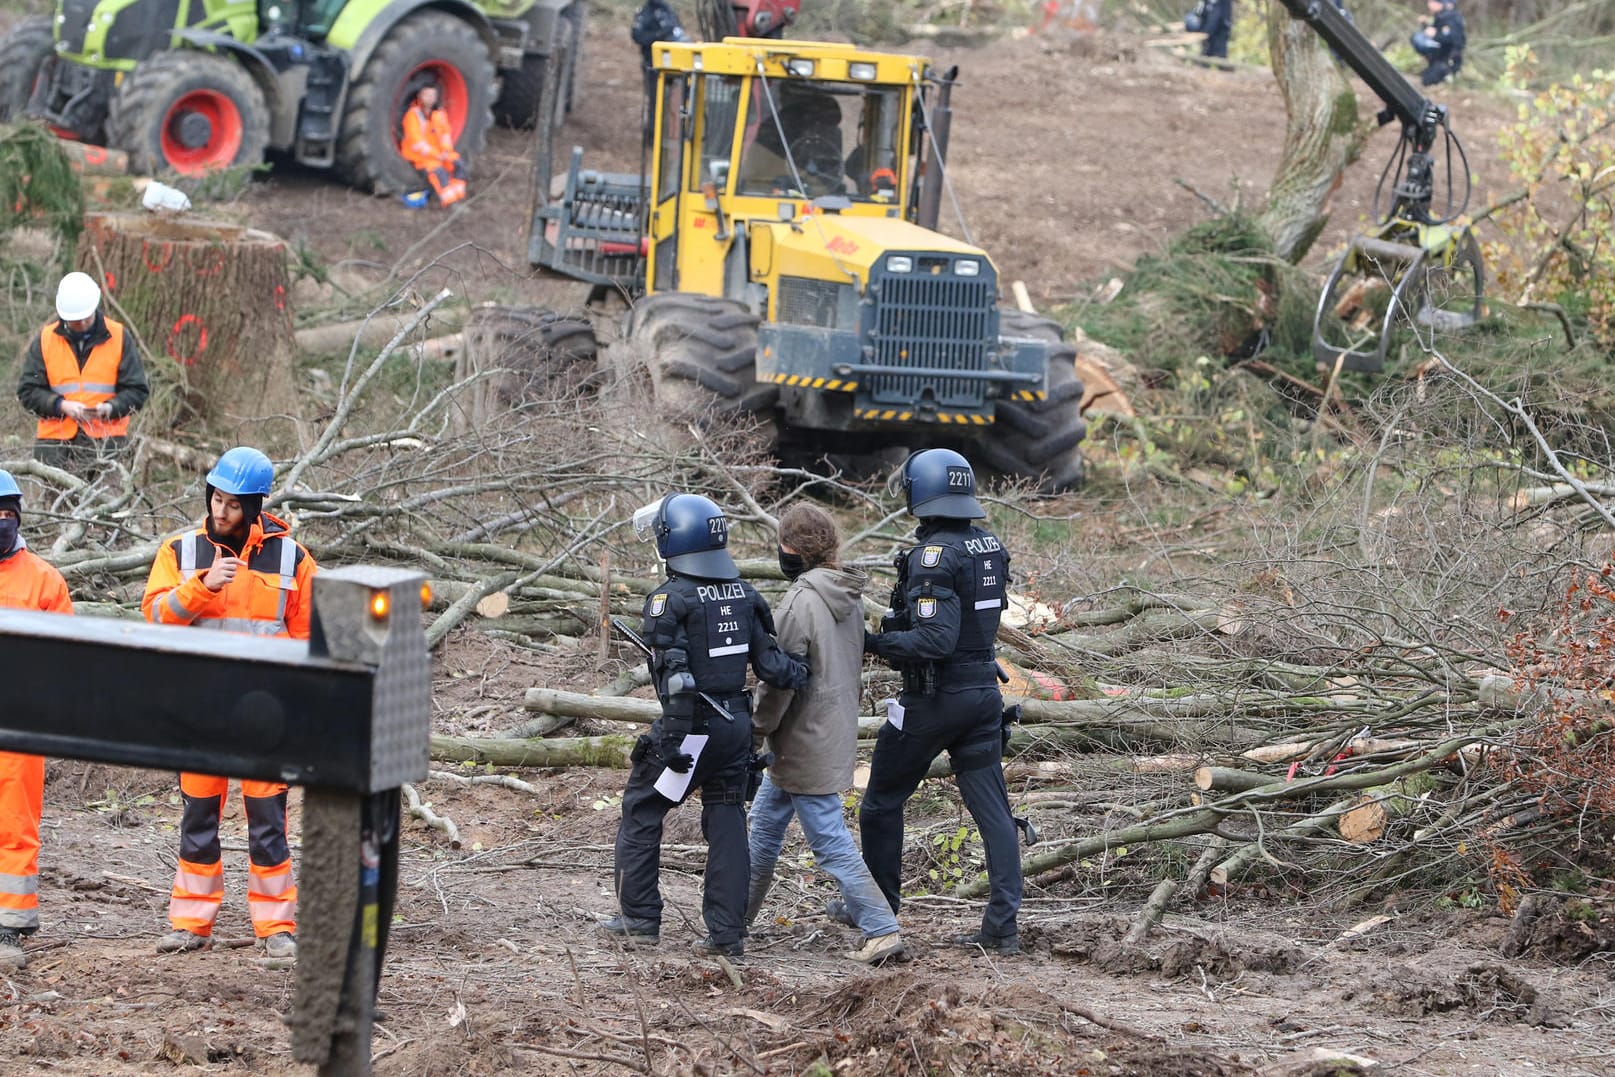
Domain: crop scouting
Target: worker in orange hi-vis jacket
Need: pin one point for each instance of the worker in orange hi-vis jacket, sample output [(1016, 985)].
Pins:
[(428, 144), (27, 582), (241, 571)]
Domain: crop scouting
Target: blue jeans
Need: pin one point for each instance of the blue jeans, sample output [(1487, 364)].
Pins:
[(833, 850)]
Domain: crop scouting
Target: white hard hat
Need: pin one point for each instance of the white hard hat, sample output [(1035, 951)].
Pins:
[(77, 297)]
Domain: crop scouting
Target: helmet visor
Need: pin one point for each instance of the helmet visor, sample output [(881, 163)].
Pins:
[(645, 520)]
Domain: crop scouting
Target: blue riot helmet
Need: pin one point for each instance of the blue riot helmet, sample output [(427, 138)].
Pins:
[(241, 471), (941, 483), (692, 536)]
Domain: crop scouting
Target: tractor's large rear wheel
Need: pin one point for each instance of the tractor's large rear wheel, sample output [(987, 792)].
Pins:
[(189, 112), (22, 57), (428, 48), (701, 352), (521, 93), (1041, 439)]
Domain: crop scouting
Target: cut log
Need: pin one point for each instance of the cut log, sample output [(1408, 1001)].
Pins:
[(605, 708), (1165, 764), (1290, 752), (91, 160), (1228, 780), (608, 751), (1375, 809), (338, 338), (210, 301)]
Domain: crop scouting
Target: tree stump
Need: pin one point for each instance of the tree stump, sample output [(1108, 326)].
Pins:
[(539, 355), (210, 302)]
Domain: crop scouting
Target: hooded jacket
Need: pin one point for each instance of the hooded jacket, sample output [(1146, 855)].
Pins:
[(814, 732), (269, 597)]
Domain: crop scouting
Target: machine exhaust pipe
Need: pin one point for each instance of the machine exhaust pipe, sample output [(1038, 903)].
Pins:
[(936, 151)]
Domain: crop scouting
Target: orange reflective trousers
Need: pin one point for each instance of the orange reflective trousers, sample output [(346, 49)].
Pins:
[(199, 879), (26, 583), (22, 800)]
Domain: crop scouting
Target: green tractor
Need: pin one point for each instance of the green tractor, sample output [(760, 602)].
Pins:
[(188, 86)]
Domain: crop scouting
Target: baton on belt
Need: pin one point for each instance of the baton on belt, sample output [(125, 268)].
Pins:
[(644, 648)]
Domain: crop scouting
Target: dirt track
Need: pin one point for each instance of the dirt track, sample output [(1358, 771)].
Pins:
[(1064, 161)]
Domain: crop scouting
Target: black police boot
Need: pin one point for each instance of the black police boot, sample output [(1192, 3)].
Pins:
[(998, 945), (633, 929), (708, 947)]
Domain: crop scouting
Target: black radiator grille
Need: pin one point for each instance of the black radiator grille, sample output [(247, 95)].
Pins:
[(75, 18), (940, 322)]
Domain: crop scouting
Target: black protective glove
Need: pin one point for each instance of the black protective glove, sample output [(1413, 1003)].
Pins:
[(871, 643), (754, 775), (801, 673), (673, 758)]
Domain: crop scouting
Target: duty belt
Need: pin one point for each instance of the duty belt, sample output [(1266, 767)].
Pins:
[(739, 706), (969, 674)]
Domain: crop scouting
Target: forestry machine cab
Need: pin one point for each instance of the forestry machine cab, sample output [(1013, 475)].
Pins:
[(1418, 265)]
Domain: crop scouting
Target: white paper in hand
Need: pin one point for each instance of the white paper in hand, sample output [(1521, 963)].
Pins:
[(894, 712), (673, 785)]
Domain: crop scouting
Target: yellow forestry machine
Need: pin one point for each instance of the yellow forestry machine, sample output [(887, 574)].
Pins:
[(782, 240)]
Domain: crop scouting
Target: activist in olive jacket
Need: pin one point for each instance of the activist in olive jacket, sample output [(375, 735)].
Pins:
[(814, 732)]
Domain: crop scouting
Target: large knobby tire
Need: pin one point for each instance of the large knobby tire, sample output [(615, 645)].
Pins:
[(550, 356), (428, 47), (521, 93), (189, 112), (1041, 439), (22, 55), (701, 352)]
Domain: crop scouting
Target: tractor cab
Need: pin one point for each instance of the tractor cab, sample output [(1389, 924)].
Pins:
[(744, 131)]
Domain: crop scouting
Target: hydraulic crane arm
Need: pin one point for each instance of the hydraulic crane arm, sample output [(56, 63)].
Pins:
[(1415, 111), (1423, 121)]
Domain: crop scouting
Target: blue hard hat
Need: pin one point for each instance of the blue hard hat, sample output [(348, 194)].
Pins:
[(692, 535), (941, 483), (8, 486), (242, 470)]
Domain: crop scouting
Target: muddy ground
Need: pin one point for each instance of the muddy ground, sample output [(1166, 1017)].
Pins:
[(1065, 159)]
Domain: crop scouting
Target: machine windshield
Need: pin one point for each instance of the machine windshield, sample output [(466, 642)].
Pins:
[(842, 138)]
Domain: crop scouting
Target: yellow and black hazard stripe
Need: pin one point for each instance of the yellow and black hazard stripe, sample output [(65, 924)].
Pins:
[(1029, 394), (837, 385), (952, 418)]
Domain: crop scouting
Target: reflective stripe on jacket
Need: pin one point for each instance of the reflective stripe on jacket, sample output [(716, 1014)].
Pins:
[(95, 383), (428, 141), (269, 597)]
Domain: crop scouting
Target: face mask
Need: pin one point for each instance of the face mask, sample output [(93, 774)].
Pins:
[(8, 535), (792, 564)]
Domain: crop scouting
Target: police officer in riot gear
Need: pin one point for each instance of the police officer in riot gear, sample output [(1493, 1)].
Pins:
[(704, 626), (939, 634)]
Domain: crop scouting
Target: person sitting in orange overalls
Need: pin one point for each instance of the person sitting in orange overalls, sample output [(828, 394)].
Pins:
[(241, 571), (26, 583), (429, 145)]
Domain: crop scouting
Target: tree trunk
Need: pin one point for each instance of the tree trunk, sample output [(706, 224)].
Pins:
[(1321, 138), (210, 303)]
